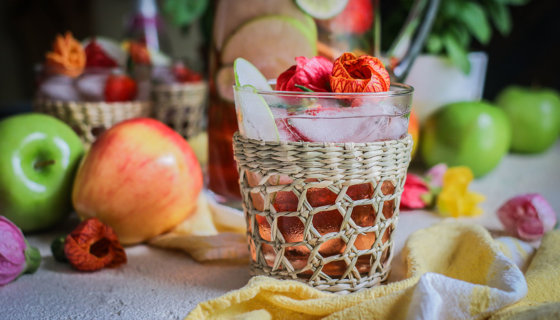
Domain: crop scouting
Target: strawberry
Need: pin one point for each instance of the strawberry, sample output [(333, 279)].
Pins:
[(184, 74), (356, 18), (120, 88), (97, 57)]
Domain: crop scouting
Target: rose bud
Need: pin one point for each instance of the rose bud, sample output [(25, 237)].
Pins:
[(16, 256), (527, 217), (416, 193)]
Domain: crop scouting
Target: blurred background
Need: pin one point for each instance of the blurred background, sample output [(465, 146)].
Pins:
[(527, 56)]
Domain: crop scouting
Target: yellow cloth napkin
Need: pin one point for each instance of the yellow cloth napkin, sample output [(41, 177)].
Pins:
[(208, 234), (543, 279), (455, 271)]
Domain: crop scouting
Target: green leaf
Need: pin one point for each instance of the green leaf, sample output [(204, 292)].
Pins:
[(474, 18), (434, 44), (32, 259), (456, 53), (500, 16), (460, 33), (513, 2), (183, 12)]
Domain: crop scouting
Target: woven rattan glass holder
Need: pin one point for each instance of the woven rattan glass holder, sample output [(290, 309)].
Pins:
[(89, 119), (181, 106), (322, 213)]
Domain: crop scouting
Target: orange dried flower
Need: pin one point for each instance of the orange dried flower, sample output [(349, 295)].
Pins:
[(93, 246), (67, 57), (359, 74)]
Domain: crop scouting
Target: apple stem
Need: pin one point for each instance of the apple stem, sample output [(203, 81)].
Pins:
[(42, 164)]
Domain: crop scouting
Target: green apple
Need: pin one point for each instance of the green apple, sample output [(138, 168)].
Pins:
[(534, 115), (38, 157), (473, 134)]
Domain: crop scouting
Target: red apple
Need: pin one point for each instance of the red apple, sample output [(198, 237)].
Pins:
[(140, 177)]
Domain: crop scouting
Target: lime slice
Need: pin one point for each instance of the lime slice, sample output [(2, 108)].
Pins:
[(254, 116), (322, 9), (230, 15), (271, 43)]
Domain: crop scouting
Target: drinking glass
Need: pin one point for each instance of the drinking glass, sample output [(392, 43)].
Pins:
[(321, 176)]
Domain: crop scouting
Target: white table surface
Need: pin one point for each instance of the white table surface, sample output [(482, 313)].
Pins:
[(160, 284)]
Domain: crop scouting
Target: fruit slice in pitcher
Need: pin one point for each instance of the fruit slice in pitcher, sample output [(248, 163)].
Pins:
[(271, 43), (322, 9), (232, 14)]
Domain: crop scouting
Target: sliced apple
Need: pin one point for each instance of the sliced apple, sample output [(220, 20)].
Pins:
[(254, 116), (225, 80), (247, 74), (271, 43), (232, 14)]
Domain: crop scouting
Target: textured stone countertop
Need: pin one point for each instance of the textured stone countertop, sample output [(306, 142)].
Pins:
[(160, 284)]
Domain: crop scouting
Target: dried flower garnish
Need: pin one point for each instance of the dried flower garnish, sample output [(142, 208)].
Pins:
[(312, 74), (455, 199), (93, 246), (359, 74), (67, 57)]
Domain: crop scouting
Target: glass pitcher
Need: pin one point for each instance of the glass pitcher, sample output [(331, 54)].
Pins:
[(270, 34)]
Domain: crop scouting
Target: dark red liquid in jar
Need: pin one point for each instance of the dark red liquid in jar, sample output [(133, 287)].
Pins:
[(222, 169)]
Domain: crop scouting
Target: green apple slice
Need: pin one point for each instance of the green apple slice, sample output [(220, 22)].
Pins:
[(254, 116), (322, 9), (230, 15), (247, 74), (271, 43)]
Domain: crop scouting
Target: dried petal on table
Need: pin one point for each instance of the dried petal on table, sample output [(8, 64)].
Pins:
[(93, 246)]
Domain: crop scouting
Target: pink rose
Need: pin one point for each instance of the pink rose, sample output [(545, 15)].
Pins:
[(311, 73), (13, 252), (527, 217), (415, 192)]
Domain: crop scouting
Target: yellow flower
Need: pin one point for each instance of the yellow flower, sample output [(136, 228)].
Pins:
[(455, 199)]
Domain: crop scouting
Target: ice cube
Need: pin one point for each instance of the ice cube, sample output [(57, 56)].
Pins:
[(347, 125), (59, 88)]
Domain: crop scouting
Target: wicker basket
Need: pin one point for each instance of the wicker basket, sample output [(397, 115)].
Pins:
[(90, 119), (322, 213), (181, 106)]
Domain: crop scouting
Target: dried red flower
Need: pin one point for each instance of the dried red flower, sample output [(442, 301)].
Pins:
[(359, 74), (309, 73), (93, 245)]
